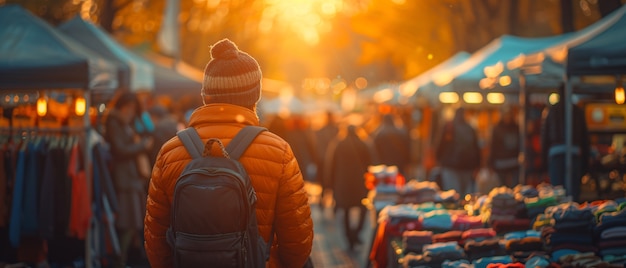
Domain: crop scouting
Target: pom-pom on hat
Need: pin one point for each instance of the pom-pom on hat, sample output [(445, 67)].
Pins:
[(232, 76)]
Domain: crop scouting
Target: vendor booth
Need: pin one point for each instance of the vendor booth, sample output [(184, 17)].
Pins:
[(47, 83), (134, 73)]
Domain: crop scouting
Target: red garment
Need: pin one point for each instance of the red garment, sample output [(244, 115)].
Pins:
[(384, 232), (378, 255), (465, 222), (80, 212), (508, 265), (478, 233), (448, 236)]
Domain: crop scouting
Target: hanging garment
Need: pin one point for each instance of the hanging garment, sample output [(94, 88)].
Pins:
[(32, 183), (4, 201), (53, 208), (15, 220), (80, 212)]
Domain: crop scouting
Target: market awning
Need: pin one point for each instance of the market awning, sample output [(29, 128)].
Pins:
[(35, 55), (134, 73)]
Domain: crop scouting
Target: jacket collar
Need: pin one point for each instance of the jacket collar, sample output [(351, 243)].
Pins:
[(223, 113)]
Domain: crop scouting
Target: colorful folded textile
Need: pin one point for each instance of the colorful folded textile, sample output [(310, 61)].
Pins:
[(448, 236), (484, 262), (614, 232), (466, 222)]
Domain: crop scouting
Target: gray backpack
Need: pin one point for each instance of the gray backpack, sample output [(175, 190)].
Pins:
[(213, 218)]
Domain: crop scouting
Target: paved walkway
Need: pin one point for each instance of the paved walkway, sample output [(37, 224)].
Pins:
[(330, 248)]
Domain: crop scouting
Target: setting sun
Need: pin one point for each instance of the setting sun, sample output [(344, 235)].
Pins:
[(306, 19)]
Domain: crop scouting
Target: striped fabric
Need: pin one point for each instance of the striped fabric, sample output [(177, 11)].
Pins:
[(232, 76)]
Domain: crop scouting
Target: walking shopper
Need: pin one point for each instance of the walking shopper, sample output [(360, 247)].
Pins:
[(553, 146), (126, 146), (348, 160), (392, 144), (230, 93), (458, 154), (323, 137), (504, 149)]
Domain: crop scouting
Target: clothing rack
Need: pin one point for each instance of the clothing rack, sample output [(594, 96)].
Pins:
[(87, 159)]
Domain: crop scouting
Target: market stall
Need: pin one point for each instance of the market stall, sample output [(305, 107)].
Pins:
[(47, 82), (604, 54), (524, 226), (134, 73)]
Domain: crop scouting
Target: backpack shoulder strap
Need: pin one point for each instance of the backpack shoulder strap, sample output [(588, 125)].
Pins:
[(192, 141), (242, 140)]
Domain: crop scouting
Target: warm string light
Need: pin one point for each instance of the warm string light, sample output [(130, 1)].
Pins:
[(619, 91), (42, 106), (619, 95), (80, 106)]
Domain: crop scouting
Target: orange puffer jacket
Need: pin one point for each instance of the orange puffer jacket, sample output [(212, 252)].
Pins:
[(275, 175)]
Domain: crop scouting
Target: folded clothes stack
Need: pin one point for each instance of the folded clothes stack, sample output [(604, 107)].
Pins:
[(413, 241), (610, 236), (434, 255), (572, 231)]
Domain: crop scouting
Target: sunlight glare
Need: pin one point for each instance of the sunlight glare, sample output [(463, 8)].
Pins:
[(360, 83), (305, 18), (329, 9), (212, 3)]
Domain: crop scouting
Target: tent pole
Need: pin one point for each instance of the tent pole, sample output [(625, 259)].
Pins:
[(567, 98), (88, 174), (521, 158)]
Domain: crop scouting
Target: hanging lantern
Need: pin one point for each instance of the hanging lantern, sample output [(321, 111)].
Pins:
[(619, 95), (42, 106), (80, 106), (619, 90)]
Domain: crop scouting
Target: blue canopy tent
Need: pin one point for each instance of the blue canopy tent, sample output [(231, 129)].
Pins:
[(34, 55), (413, 88), (169, 82), (469, 76), (545, 70), (604, 54), (134, 73)]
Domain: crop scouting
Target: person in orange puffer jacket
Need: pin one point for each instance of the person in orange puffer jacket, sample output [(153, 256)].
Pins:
[(230, 92)]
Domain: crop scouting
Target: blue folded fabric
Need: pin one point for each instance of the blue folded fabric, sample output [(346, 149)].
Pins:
[(537, 261), (456, 264), (441, 247), (521, 234)]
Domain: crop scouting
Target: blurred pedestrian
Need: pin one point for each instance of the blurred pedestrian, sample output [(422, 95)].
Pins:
[(299, 136), (230, 93), (278, 126), (347, 162), (504, 149), (125, 146), (165, 128), (392, 144), (458, 154), (554, 148), (323, 137)]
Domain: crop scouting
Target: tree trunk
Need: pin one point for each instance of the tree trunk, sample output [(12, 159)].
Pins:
[(567, 16), (514, 20), (107, 14)]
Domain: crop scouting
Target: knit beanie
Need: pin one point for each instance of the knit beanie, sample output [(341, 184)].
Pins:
[(231, 76)]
